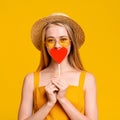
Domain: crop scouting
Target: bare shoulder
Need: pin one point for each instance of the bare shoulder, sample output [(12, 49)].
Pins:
[(90, 81), (29, 80), (90, 76)]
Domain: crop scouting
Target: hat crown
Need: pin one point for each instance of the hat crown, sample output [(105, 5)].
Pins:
[(61, 14)]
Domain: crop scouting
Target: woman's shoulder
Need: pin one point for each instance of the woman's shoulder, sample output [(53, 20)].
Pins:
[(29, 80), (90, 80), (29, 76), (90, 75)]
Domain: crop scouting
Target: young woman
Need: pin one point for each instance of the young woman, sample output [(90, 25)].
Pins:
[(63, 91)]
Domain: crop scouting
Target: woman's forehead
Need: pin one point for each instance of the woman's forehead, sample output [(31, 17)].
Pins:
[(55, 30)]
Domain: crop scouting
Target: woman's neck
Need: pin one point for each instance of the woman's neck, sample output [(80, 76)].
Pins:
[(64, 66)]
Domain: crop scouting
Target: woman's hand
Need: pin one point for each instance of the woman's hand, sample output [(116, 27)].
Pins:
[(51, 90), (62, 85)]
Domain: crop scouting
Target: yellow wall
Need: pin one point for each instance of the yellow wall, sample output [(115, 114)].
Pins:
[(100, 53)]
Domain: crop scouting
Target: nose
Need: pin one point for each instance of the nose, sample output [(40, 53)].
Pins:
[(57, 44)]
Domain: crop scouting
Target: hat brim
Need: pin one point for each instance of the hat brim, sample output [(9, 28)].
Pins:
[(40, 24)]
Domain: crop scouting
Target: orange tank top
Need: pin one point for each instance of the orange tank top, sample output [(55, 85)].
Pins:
[(75, 94)]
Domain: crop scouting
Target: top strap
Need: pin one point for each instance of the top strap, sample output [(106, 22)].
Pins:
[(82, 79), (36, 79)]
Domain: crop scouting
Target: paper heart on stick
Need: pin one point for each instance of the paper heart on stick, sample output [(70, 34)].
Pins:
[(58, 54)]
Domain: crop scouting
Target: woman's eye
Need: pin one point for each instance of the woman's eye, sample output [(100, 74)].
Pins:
[(50, 40), (64, 39)]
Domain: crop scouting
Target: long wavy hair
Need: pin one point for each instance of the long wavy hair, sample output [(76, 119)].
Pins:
[(73, 57)]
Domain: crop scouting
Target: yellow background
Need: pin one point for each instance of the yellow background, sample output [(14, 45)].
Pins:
[(100, 54)]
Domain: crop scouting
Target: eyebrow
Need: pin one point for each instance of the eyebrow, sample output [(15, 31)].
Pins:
[(53, 37)]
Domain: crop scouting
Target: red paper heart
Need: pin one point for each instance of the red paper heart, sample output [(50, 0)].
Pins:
[(58, 54)]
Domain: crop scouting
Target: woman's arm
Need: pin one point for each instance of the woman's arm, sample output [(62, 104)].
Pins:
[(26, 106), (90, 101)]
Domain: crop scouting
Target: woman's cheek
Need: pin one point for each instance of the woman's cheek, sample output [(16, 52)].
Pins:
[(49, 46), (65, 44)]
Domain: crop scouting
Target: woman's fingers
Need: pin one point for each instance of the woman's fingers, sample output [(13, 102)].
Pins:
[(60, 83), (51, 88), (57, 89)]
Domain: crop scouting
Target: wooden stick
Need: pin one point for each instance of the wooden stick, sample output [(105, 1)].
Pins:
[(59, 70)]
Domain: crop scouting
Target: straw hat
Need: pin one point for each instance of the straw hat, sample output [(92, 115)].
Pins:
[(57, 17)]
